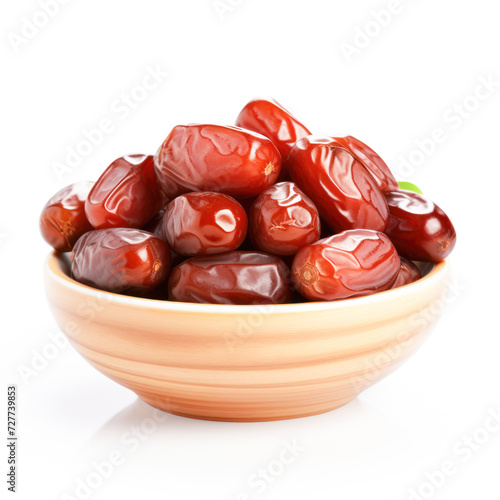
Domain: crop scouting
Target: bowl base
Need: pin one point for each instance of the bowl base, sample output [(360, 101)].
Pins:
[(251, 416)]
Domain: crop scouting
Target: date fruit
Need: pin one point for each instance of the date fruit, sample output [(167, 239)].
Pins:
[(127, 194), (63, 218), (155, 226), (230, 160), (377, 167), (283, 220), (204, 223), (345, 193), (221, 213), (419, 229), (269, 118), (348, 264), (120, 259), (231, 278), (408, 273)]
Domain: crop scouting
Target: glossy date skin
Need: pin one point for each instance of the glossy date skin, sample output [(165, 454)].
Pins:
[(231, 278), (283, 220), (419, 229), (63, 219), (230, 160), (155, 226), (204, 223), (408, 273), (127, 194), (120, 259), (375, 165), (269, 118), (348, 264), (345, 193)]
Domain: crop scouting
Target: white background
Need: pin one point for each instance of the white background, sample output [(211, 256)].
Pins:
[(412, 76)]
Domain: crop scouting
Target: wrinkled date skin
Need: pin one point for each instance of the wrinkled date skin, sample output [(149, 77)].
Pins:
[(283, 220), (231, 278), (408, 273), (419, 229), (63, 218), (155, 226), (348, 264), (230, 160), (371, 161), (204, 223), (126, 195), (120, 259), (345, 193), (269, 118)]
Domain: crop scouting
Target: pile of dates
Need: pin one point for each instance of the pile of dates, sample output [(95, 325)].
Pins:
[(262, 212)]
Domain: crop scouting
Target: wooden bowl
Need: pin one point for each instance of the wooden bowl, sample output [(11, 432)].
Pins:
[(245, 363)]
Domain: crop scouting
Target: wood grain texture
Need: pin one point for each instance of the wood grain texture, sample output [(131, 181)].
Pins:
[(245, 363)]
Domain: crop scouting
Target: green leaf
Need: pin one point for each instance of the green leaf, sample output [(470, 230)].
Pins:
[(408, 186)]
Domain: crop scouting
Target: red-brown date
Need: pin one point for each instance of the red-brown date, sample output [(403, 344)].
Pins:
[(419, 229), (348, 264), (283, 220), (120, 259), (231, 278), (127, 194), (371, 161), (408, 273), (231, 160), (345, 193), (269, 118), (155, 226), (204, 223), (63, 218)]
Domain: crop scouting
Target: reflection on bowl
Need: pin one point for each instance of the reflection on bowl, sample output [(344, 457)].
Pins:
[(245, 363)]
